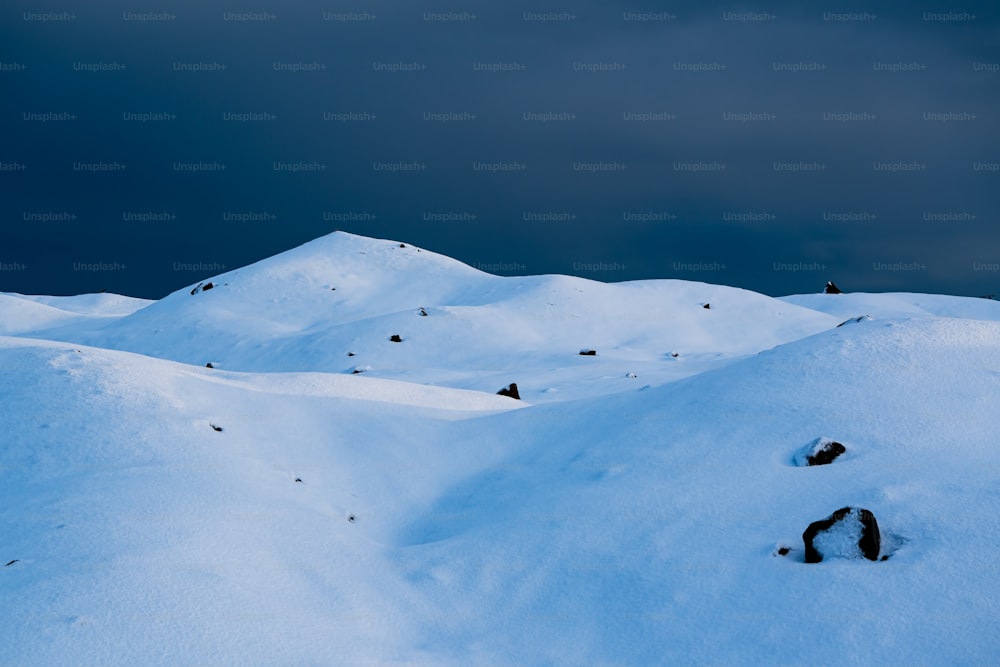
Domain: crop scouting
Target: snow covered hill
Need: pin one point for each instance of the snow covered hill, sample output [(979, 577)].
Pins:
[(22, 314), (898, 304), (280, 509), (333, 305)]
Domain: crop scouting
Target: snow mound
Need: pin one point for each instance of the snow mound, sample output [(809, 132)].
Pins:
[(897, 305), (22, 314), (305, 309)]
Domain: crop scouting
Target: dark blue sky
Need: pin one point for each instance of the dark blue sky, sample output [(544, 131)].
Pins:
[(765, 146)]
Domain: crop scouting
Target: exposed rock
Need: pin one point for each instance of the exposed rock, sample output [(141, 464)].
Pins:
[(674, 355), (209, 365), (395, 338), (216, 428), (207, 287), (587, 352), (820, 451), (859, 318), (423, 313), (831, 288), (707, 306), (850, 532), (510, 390)]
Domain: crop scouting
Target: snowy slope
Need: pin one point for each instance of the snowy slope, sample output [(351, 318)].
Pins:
[(625, 521), (639, 529), (144, 536), (22, 314), (898, 304), (307, 309), (643, 529)]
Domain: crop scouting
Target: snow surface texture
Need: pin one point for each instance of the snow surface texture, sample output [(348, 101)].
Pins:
[(279, 509)]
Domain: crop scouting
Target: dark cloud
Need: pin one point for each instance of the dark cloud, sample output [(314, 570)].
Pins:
[(787, 144)]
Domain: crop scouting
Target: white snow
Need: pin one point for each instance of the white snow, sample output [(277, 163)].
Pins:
[(841, 539), (22, 314), (603, 520), (481, 332)]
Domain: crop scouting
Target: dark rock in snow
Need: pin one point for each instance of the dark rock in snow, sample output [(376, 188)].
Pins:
[(298, 479), (860, 318), (707, 306), (831, 288), (423, 313), (849, 532), (215, 428), (586, 352), (395, 338), (674, 355), (12, 562), (352, 518), (350, 354), (207, 287), (402, 245), (510, 390), (201, 287), (819, 452), (209, 365)]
